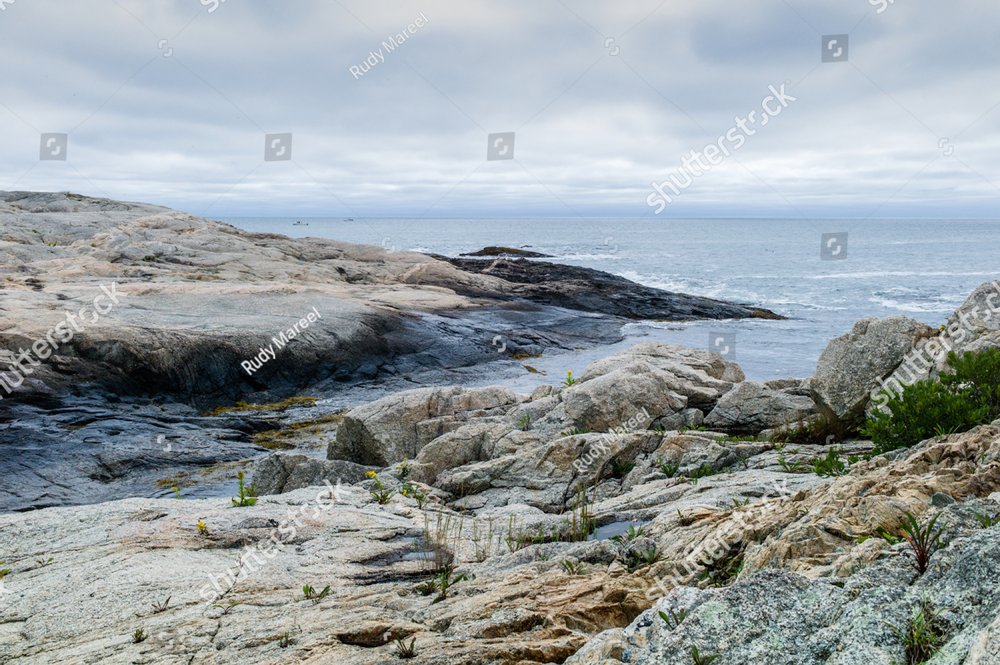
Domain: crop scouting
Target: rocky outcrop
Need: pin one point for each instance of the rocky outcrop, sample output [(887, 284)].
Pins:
[(852, 365), (381, 313), (843, 621), (493, 251), (662, 380), (752, 407), (395, 428), (591, 290), (196, 314), (747, 533), (279, 474)]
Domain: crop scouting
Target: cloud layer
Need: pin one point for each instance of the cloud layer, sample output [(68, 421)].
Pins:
[(169, 102)]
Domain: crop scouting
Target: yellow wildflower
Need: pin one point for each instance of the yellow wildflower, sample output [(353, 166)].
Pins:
[(371, 474)]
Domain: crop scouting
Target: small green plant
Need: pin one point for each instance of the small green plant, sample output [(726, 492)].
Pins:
[(924, 541), (621, 468), (177, 492), (248, 496), (42, 562), (673, 619), (378, 491), (310, 593), (445, 581), (703, 471), (4, 572), (159, 608), (524, 423), (988, 521), (739, 504), (669, 469), (830, 465), (569, 380), (202, 529), (722, 571), (139, 636), (403, 471), (572, 568), (643, 557), (631, 535), (404, 651), (890, 537), (415, 494), (790, 467), (923, 634), (575, 431), (698, 659), (285, 640), (576, 528)]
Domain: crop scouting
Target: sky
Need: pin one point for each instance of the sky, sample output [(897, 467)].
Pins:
[(171, 101)]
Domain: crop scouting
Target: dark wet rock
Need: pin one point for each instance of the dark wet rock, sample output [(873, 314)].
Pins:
[(493, 251), (591, 290)]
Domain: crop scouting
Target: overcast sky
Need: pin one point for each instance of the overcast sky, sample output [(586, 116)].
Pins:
[(604, 97)]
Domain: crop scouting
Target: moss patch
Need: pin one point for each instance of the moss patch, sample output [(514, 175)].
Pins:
[(285, 438), (274, 406)]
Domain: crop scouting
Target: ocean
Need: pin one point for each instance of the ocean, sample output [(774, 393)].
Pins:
[(824, 275)]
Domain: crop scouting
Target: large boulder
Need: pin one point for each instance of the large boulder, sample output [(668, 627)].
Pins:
[(751, 407), (656, 379), (280, 473), (396, 427), (854, 364)]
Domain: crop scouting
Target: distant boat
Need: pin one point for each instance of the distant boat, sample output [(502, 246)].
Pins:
[(300, 223), (349, 219)]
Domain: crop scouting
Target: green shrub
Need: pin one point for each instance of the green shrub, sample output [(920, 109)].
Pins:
[(980, 374), (925, 409)]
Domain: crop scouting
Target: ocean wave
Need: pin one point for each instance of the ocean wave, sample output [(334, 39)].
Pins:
[(587, 257), (890, 273)]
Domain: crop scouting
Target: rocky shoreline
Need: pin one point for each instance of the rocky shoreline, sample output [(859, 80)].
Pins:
[(656, 506), (196, 300)]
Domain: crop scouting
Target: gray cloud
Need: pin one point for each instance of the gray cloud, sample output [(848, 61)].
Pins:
[(870, 137)]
